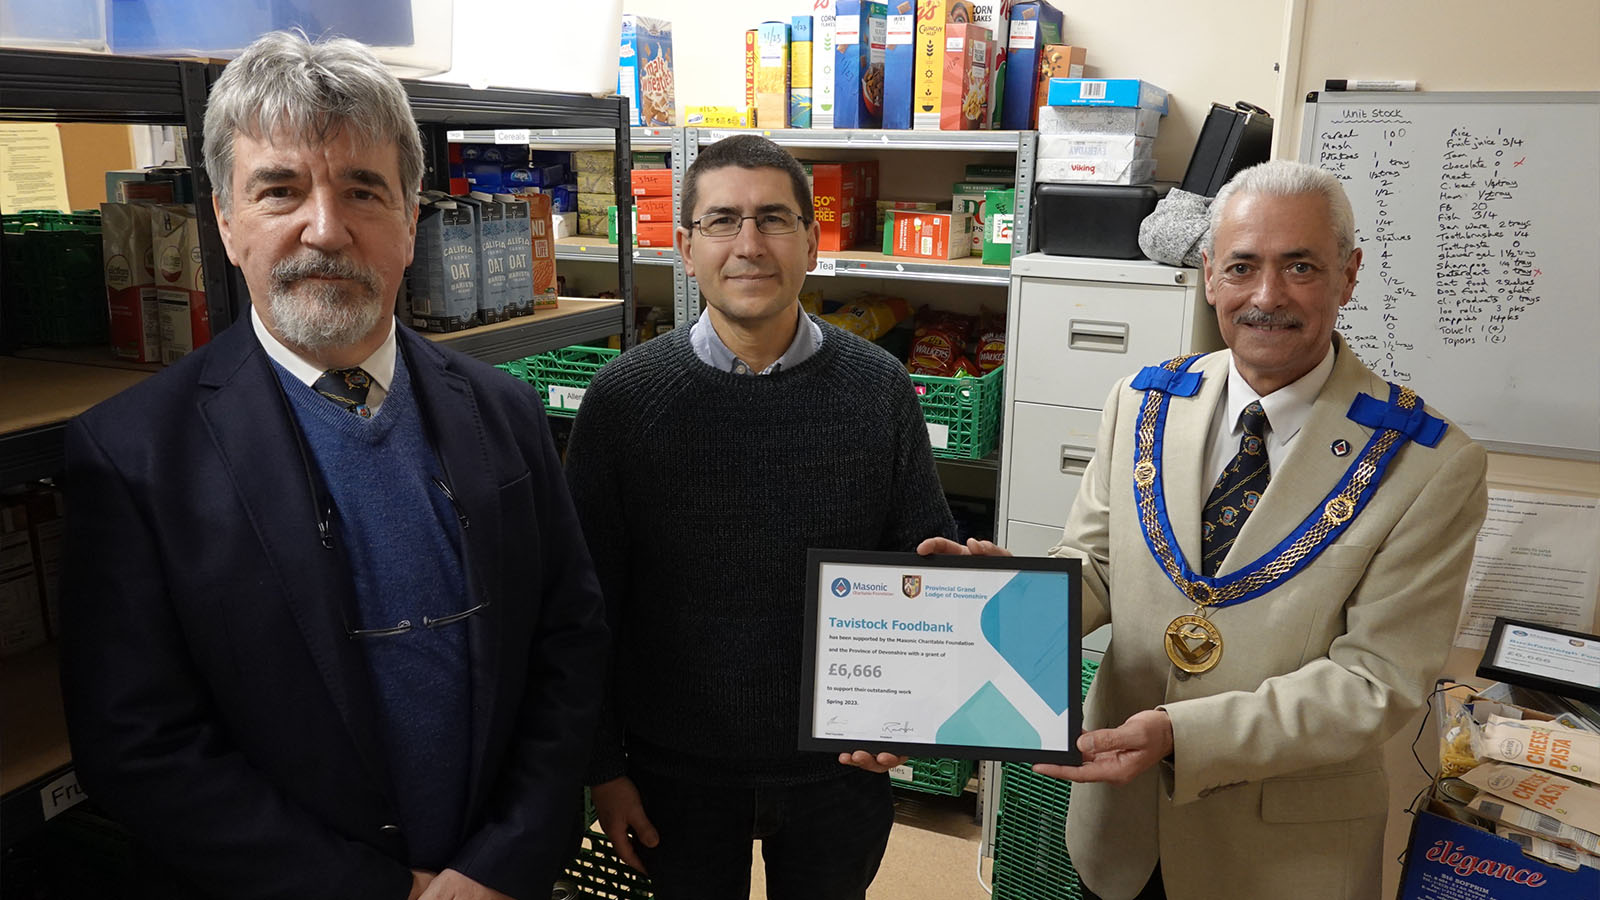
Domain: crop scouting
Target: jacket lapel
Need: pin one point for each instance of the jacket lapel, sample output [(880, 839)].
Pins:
[(1183, 477), (1311, 469), (450, 414), (255, 433)]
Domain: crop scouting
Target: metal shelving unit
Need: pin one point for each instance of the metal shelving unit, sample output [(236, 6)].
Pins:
[(42, 395)]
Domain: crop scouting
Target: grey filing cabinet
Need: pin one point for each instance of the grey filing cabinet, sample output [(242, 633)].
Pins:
[(1075, 326)]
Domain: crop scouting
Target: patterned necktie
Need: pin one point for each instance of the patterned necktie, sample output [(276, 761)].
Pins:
[(348, 388), (1237, 491)]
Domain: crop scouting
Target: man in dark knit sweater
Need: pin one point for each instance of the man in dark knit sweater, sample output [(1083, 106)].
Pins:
[(703, 464), (329, 627)]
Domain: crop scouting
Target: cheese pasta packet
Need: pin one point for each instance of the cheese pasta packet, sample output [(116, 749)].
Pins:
[(1567, 801), (1543, 745)]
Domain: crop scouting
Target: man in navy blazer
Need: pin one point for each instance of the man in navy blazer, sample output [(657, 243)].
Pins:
[(329, 625)]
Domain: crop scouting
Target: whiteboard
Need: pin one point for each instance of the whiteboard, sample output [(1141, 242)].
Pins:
[(1478, 215)]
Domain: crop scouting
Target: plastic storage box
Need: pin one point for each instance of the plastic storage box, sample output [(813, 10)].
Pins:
[(1099, 220), (551, 46), (53, 24), (412, 37)]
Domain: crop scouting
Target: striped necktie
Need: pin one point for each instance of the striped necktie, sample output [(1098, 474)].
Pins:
[(1237, 491)]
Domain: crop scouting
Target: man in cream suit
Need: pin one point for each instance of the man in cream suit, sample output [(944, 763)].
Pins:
[(1276, 619)]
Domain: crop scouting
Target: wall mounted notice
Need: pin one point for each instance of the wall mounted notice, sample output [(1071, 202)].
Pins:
[(1479, 219), (31, 172), (1535, 562)]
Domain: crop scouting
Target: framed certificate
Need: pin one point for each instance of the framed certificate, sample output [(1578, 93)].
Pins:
[(1544, 658), (972, 657)]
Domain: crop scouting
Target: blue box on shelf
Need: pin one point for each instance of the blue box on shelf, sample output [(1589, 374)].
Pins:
[(1124, 92)]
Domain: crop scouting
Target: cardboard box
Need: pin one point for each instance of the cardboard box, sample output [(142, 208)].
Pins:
[(1114, 92), (968, 197), (1098, 120), (751, 60), (21, 615), (899, 63), (800, 83), (651, 182), (999, 209), (966, 77), (644, 71), (592, 221), (519, 251), (927, 235), (653, 234), (997, 174), (603, 183), (653, 210), (1094, 171), (882, 207), (1446, 858), (1034, 23), (772, 75), (563, 225), (130, 275), (1095, 146), (858, 71), (994, 15), (594, 162), (928, 102), (867, 182), (1057, 61), (180, 281), (833, 199), (822, 63), (720, 117), (442, 280)]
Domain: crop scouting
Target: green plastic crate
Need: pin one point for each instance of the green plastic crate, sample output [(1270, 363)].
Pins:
[(963, 414), (936, 776), (54, 289), (563, 375), (1030, 849), (597, 871)]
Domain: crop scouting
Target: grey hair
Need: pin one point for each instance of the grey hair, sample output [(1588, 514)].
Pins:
[(1288, 178), (286, 83)]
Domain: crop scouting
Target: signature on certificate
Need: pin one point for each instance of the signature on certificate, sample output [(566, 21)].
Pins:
[(837, 722), (898, 728)]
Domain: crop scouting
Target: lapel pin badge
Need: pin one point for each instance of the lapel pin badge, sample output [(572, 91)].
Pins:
[(1341, 447)]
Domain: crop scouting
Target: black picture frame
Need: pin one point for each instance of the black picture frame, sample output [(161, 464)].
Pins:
[(817, 558), (1488, 668)]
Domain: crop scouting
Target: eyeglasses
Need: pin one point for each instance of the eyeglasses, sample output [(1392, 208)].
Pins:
[(724, 225)]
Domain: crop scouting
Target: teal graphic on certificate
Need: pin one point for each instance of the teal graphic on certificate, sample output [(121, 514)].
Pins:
[(945, 652)]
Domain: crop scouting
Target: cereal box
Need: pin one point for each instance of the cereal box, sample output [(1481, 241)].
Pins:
[(644, 73), (994, 15), (800, 83), (750, 61), (927, 235), (899, 63), (1034, 23), (772, 75), (1056, 61), (833, 198), (928, 103), (861, 32), (180, 286), (130, 282), (966, 77), (822, 62)]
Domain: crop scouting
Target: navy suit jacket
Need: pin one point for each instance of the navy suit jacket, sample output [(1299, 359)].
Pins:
[(214, 702)]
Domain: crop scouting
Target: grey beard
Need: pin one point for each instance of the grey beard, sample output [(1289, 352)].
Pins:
[(316, 315)]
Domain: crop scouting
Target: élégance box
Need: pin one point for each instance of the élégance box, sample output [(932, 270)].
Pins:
[(928, 102), (1034, 23), (861, 31), (966, 77)]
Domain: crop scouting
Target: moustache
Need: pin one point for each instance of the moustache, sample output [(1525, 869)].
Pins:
[(1270, 320), (288, 271)]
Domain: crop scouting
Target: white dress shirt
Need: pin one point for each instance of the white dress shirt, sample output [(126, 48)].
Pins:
[(380, 365), (1287, 410)]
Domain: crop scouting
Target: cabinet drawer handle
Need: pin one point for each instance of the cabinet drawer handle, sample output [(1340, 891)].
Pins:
[(1074, 460), (1105, 337)]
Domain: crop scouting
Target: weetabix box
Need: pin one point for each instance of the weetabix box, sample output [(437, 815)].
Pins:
[(927, 235), (442, 281), (927, 109), (822, 63), (966, 77), (644, 70), (180, 282), (899, 63), (772, 75), (833, 199), (519, 253), (800, 81), (1034, 23), (130, 275), (861, 32), (994, 15), (1057, 61)]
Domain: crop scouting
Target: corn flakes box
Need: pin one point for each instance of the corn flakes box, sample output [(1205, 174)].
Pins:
[(644, 70)]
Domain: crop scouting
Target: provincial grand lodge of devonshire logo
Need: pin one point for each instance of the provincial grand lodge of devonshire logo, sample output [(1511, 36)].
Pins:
[(910, 585)]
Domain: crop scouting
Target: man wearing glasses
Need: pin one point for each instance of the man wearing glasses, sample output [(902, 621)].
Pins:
[(329, 626), (703, 464)]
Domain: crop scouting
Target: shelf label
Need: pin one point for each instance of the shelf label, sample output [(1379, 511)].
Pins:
[(61, 795), (562, 397), (457, 136), (511, 136), (825, 266), (939, 436), (901, 773)]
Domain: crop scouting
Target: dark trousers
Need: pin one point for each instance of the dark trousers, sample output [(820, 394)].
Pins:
[(822, 840), (1153, 889)]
